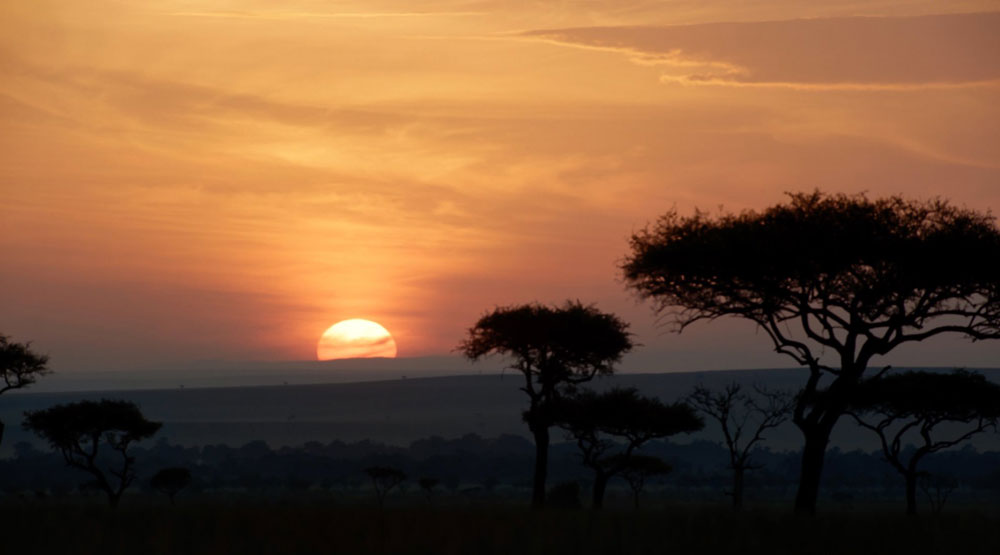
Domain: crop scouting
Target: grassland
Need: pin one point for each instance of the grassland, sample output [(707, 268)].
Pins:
[(215, 526)]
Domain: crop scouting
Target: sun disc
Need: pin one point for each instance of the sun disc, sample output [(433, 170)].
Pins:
[(356, 338)]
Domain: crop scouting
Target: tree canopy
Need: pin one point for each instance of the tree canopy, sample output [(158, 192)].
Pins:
[(78, 429), (833, 280), (553, 345)]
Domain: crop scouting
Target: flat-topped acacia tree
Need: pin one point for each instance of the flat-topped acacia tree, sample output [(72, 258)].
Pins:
[(908, 406), (833, 280), (610, 427), (555, 349), (77, 430)]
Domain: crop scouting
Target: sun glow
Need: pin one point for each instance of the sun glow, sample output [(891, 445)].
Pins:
[(356, 338)]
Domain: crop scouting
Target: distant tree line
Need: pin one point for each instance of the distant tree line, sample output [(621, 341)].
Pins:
[(472, 467)]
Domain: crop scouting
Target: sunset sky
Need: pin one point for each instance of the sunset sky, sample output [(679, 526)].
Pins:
[(223, 180)]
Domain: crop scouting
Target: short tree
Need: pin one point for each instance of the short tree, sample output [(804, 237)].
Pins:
[(555, 349), (77, 430), (170, 481), (609, 427), (638, 469), (834, 281), (384, 479), (937, 488), (910, 405), (743, 418), (428, 485), (19, 367)]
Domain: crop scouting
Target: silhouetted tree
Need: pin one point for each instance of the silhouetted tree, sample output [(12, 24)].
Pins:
[(837, 276), (937, 488), (743, 418), (608, 427), (913, 404), (384, 478), (19, 367), (428, 485), (170, 481), (638, 468), (555, 349), (78, 429)]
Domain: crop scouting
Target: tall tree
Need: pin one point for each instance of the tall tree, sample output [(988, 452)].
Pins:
[(743, 418), (834, 281), (555, 349), (609, 427), (77, 430), (19, 367), (910, 405)]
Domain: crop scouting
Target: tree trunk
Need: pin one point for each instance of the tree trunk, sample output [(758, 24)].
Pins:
[(541, 434), (812, 469), (1, 432), (113, 500), (600, 484), (738, 488), (911, 494)]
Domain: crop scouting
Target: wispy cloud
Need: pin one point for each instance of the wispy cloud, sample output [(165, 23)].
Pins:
[(848, 54)]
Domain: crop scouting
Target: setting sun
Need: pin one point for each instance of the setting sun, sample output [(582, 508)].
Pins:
[(356, 338)]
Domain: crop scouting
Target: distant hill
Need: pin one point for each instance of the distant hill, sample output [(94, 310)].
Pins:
[(396, 411)]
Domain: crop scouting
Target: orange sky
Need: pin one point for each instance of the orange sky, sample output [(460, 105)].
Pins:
[(224, 180)]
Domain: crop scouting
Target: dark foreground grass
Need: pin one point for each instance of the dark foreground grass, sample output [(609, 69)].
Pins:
[(250, 527)]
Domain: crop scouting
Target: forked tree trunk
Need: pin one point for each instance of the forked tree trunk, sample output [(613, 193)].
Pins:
[(541, 434)]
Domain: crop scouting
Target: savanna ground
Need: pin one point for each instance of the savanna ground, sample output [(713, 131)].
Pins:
[(254, 525)]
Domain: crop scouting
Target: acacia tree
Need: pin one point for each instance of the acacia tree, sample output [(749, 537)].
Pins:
[(170, 481), (428, 485), (741, 416), (833, 280), (609, 427), (384, 478), (639, 469), (555, 349), (77, 430), (19, 367), (911, 405)]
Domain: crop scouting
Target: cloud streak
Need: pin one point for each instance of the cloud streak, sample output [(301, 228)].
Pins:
[(847, 54)]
